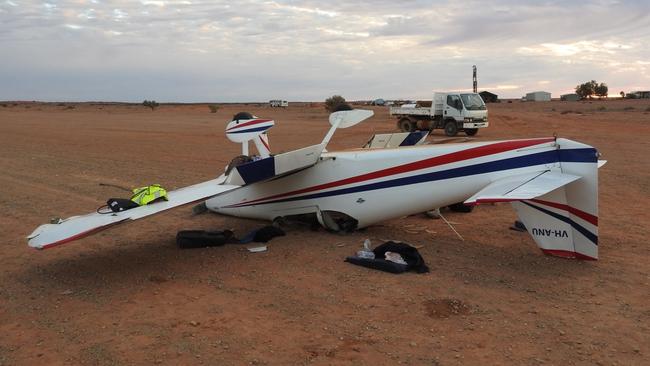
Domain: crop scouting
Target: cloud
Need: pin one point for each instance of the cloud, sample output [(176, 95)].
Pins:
[(307, 50)]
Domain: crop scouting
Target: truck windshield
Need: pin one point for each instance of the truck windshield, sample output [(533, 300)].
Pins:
[(473, 102)]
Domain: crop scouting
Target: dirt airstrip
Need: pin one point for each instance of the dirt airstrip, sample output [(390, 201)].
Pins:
[(129, 296)]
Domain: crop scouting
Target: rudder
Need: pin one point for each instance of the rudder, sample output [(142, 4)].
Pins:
[(564, 222)]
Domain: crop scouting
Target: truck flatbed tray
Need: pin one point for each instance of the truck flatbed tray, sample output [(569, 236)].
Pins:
[(410, 111)]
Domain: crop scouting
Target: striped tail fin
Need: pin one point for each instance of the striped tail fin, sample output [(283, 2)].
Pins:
[(564, 221)]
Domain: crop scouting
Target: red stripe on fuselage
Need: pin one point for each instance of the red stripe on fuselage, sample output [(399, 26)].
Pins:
[(249, 123), (572, 210), (472, 153)]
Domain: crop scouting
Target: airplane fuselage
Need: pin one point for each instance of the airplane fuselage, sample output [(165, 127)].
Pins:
[(373, 185)]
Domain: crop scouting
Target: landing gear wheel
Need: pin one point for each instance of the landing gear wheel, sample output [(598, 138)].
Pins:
[(451, 129), (471, 131), (406, 125), (242, 115)]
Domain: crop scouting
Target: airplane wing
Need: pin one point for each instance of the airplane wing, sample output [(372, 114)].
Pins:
[(76, 227), (521, 187)]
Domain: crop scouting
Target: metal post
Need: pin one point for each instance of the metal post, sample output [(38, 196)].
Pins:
[(474, 79)]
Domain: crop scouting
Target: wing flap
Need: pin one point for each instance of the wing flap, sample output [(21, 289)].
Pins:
[(521, 187), (77, 227)]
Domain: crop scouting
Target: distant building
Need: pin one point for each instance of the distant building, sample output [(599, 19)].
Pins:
[(378, 101), (489, 97), (570, 97), (538, 96), (638, 94)]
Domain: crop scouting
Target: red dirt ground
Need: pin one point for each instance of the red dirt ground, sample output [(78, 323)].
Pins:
[(129, 296)]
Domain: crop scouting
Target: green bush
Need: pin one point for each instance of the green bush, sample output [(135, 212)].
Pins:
[(150, 103), (213, 108), (591, 88), (334, 102)]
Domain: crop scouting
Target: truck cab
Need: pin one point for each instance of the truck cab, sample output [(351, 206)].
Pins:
[(463, 111)]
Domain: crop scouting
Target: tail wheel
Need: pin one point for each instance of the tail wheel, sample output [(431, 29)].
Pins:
[(451, 128), (242, 115), (471, 131), (406, 125)]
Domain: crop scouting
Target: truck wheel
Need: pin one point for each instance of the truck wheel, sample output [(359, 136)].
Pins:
[(471, 131), (451, 129), (406, 125)]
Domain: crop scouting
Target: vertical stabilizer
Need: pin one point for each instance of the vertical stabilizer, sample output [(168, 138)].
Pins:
[(564, 222)]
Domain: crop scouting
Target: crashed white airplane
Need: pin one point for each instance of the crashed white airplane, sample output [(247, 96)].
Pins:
[(552, 183)]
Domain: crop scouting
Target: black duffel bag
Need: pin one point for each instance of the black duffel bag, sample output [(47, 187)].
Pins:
[(188, 239)]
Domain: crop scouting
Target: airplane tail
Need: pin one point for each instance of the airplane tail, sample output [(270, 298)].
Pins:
[(564, 221), (559, 207)]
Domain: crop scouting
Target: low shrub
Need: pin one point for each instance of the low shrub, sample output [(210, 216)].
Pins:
[(150, 103)]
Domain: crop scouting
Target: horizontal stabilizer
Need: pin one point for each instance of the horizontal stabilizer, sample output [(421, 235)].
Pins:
[(76, 227), (521, 187), (393, 140)]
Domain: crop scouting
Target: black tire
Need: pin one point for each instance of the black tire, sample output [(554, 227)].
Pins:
[(406, 125), (451, 128), (242, 115), (471, 131)]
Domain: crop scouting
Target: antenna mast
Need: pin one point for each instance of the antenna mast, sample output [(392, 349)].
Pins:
[(474, 79)]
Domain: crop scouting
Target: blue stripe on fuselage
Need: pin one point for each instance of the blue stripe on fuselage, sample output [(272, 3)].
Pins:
[(546, 157), (586, 155)]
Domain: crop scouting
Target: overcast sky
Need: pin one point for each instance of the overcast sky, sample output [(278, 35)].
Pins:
[(226, 51)]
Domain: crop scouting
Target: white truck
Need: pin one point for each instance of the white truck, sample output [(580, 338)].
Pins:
[(278, 103), (452, 112)]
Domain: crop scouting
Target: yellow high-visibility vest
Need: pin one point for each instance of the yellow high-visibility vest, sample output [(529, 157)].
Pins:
[(145, 195)]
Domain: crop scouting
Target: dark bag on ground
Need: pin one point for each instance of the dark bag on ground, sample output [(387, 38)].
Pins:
[(188, 239), (411, 256), (262, 235)]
